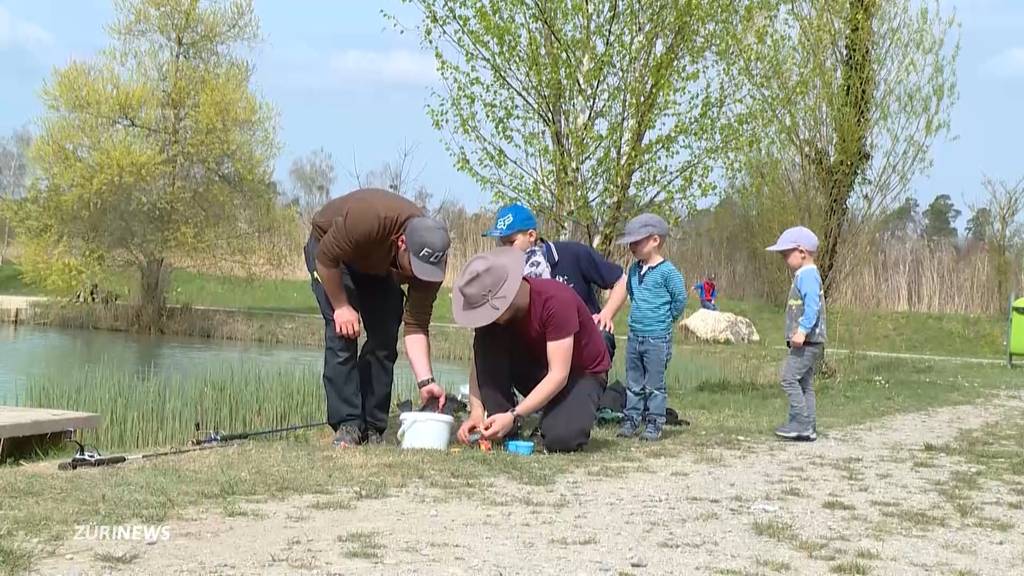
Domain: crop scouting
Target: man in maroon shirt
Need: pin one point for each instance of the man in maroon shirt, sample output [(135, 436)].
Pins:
[(535, 336)]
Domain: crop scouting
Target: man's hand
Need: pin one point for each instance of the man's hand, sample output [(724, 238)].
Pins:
[(797, 340), (472, 424), (604, 322), (346, 322), (498, 426), (433, 391)]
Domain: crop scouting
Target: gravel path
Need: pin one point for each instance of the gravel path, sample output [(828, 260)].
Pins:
[(864, 500)]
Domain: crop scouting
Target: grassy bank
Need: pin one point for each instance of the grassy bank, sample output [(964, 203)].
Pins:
[(259, 300), (731, 400)]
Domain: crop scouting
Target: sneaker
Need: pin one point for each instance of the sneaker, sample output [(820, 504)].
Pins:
[(652, 431), (373, 437), (794, 430), (347, 436), (628, 429)]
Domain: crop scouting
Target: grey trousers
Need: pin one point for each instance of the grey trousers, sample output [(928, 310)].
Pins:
[(798, 382)]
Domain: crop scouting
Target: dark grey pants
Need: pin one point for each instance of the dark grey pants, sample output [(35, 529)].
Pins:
[(357, 383), (798, 382), (502, 369)]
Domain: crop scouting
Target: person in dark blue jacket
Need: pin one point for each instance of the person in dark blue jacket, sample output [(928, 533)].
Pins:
[(578, 265)]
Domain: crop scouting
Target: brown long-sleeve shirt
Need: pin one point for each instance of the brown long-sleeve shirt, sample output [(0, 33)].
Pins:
[(359, 230)]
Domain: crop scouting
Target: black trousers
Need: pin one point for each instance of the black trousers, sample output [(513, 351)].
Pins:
[(502, 368), (357, 382)]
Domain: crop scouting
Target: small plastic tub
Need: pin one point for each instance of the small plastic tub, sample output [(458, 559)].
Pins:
[(521, 447)]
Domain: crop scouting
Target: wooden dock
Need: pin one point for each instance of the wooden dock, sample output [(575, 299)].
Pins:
[(26, 429)]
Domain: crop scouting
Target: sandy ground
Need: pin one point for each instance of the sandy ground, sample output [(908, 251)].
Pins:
[(718, 513)]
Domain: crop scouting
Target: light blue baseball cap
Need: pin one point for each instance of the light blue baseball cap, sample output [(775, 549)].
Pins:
[(795, 237), (511, 219)]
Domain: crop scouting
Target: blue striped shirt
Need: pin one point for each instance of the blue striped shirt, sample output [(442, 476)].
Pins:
[(657, 298)]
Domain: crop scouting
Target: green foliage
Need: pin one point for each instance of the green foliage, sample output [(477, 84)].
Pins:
[(847, 98), (156, 148), (587, 111), (939, 219), (979, 224)]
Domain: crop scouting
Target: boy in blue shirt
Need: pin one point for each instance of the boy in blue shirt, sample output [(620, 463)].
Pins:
[(657, 293), (575, 264), (805, 332)]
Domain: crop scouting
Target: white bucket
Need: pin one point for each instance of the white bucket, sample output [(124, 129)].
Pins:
[(427, 430)]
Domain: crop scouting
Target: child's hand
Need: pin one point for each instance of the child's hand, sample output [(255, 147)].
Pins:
[(798, 339)]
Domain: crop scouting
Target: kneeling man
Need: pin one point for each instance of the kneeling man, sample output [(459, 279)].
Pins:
[(535, 336)]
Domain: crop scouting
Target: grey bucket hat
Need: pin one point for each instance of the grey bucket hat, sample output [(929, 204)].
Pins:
[(643, 226), (486, 286)]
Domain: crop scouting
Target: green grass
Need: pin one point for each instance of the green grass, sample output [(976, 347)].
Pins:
[(851, 568), (14, 559), (916, 333), (12, 284), (38, 502), (362, 544)]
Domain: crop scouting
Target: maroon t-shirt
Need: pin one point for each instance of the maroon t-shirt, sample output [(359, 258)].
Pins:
[(556, 312)]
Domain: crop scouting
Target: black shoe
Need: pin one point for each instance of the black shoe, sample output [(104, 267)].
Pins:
[(373, 438), (347, 436)]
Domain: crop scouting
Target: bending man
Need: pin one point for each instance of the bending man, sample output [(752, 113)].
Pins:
[(362, 248)]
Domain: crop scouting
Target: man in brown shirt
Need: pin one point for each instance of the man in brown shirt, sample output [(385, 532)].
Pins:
[(363, 246)]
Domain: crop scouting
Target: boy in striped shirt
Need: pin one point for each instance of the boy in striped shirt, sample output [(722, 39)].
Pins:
[(657, 293)]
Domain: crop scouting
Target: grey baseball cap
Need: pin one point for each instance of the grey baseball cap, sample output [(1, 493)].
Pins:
[(428, 243), (643, 226), (795, 237)]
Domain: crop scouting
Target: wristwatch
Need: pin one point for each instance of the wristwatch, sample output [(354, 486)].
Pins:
[(517, 420), (425, 382)]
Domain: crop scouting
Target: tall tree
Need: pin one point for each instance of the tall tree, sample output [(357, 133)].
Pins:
[(1005, 203), (940, 218), (158, 148), (850, 96), (979, 224), (14, 176), (312, 179), (904, 220), (586, 111)]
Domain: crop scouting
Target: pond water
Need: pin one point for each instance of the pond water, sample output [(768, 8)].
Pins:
[(28, 350)]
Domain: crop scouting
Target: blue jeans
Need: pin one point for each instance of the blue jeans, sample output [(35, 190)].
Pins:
[(647, 358), (708, 305)]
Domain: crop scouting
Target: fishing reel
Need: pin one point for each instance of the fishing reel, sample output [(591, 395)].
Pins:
[(83, 458), (211, 437)]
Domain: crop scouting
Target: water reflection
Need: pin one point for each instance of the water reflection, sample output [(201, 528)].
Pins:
[(25, 351)]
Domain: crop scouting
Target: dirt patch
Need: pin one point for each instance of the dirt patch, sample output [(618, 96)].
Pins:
[(867, 500)]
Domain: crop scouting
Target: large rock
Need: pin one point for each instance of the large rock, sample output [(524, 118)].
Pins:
[(719, 327)]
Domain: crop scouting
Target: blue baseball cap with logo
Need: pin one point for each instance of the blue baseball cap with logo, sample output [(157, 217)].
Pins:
[(511, 219)]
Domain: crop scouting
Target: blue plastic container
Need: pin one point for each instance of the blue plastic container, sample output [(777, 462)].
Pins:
[(521, 447)]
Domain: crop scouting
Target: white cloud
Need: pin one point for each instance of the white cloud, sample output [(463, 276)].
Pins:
[(391, 67), (18, 33), (1008, 63)]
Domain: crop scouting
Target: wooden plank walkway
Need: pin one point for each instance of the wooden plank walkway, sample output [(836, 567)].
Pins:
[(17, 421)]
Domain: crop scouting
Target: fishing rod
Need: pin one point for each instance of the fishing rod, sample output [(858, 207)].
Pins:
[(86, 458)]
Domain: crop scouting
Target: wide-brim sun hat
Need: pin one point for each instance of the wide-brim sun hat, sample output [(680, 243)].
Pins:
[(486, 286)]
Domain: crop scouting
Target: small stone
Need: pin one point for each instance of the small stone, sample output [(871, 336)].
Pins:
[(433, 513), (424, 552), (635, 561), (150, 542), (763, 507), (69, 557)]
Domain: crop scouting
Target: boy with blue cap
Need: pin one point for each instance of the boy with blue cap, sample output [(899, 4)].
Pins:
[(575, 264), (805, 332)]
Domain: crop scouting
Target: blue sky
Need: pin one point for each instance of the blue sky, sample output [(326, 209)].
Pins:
[(342, 78)]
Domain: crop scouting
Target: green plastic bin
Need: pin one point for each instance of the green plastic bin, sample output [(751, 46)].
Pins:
[(1015, 340)]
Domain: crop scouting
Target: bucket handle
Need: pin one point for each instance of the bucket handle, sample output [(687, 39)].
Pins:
[(403, 429)]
